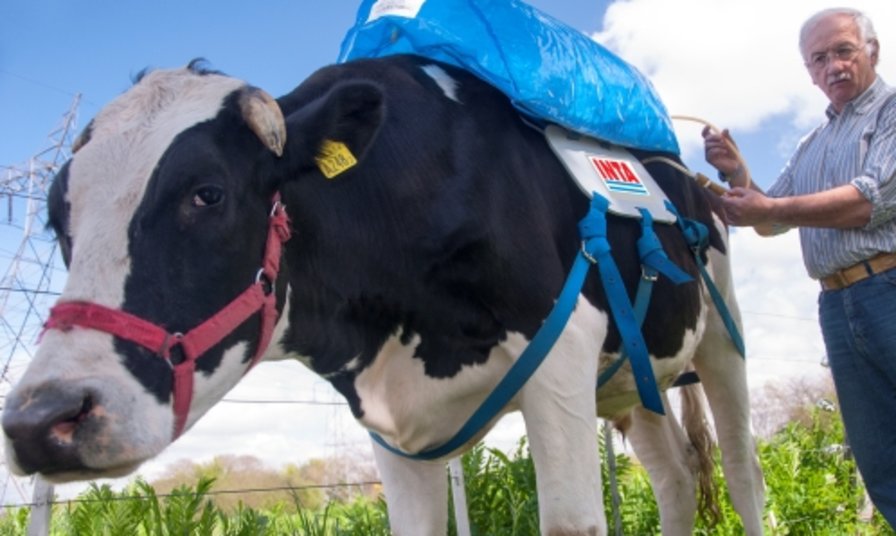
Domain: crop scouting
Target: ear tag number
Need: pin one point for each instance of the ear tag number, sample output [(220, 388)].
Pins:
[(334, 158)]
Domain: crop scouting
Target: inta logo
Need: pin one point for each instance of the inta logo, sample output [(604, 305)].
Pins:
[(618, 175)]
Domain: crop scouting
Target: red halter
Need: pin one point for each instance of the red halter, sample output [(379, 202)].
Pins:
[(259, 297)]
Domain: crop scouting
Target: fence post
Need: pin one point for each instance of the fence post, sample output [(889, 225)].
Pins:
[(42, 505), (459, 494), (614, 485)]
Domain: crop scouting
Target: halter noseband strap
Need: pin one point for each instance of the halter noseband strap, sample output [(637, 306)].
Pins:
[(259, 297)]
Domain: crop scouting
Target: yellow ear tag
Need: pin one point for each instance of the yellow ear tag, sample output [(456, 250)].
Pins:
[(334, 158)]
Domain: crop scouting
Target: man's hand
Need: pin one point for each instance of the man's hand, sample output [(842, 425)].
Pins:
[(719, 152), (745, 206)]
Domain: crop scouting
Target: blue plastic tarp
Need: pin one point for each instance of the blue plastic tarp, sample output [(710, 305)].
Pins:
[(549, 71)]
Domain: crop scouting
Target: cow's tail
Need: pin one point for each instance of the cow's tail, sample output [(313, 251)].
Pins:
[(693, 417)]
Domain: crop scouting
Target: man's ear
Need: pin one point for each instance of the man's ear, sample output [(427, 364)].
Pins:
[(350, 114), (873, 51)]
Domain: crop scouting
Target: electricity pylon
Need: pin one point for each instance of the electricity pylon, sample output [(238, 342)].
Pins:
[(28, 255)]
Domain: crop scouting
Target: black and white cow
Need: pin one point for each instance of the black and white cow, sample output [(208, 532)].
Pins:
[(412, 282)]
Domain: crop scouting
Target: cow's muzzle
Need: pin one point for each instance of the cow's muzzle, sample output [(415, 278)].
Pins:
[(44, 427)]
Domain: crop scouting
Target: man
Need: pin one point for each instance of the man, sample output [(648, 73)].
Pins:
[(839, 189)]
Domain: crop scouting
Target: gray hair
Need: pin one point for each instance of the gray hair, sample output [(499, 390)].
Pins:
[(863, 23)]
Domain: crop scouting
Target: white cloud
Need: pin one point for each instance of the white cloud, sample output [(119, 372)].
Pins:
[(731, 62), (778, 305)]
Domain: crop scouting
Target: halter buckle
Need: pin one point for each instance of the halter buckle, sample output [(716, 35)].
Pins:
[(171, 340)]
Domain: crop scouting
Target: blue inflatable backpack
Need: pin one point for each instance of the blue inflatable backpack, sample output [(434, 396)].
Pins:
[(550, 71)]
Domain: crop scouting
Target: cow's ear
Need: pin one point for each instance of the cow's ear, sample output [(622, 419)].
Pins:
[(349, 114)]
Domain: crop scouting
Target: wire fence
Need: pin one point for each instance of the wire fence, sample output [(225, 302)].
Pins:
[(302, 402), (210, 493)]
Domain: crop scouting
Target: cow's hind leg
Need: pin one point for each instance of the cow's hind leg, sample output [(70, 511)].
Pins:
[(723, 374), (666, 453), (416, 494)]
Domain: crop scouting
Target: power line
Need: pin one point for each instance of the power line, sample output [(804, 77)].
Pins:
[(40, 83), (785, 359), (776, 315), (306, 402)]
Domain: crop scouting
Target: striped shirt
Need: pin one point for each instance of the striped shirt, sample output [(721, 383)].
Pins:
[(858, 147)]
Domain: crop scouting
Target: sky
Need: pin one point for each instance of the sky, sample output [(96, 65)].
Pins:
[(732, 62)]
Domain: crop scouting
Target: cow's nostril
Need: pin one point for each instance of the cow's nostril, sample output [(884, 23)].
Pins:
[(64, 430), (45, 424)]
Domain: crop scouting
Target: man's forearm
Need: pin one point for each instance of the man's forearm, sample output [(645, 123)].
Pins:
[(840, 208)]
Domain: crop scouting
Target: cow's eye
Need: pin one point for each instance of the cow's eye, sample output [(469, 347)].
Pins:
[(207, 195)]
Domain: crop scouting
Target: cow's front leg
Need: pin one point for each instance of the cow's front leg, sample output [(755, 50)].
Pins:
[(558, 405), (416, 494)]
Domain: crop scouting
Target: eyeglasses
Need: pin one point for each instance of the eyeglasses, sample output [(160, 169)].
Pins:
[(819, 60)]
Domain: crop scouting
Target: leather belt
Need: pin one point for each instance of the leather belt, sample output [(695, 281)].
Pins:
[(859, 271)]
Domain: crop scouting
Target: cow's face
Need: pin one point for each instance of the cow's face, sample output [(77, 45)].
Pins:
[(162, 213)]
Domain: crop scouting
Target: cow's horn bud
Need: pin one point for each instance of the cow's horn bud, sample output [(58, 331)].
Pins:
[(82, 138), (264, 117)]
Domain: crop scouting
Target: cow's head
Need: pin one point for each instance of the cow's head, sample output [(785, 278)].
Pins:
[(163, 217)]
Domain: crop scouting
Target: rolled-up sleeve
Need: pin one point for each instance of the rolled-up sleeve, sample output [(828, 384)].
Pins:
[(877, 182)]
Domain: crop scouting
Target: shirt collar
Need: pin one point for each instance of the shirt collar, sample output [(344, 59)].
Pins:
[(863, 102)]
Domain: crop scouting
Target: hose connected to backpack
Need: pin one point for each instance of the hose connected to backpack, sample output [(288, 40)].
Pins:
[(700, 178)]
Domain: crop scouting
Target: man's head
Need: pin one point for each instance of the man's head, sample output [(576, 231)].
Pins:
[(840, 50)]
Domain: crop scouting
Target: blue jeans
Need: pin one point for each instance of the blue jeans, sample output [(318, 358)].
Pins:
[(859, 328)]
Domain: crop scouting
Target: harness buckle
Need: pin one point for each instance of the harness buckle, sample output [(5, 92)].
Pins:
[(587, 255), (648, 274)]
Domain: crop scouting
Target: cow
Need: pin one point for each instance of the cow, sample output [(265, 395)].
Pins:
[(430, 230)]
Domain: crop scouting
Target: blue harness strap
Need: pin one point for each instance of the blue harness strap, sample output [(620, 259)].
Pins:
[(697, 236), (594, 232), (653, 257), (654, 261)]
